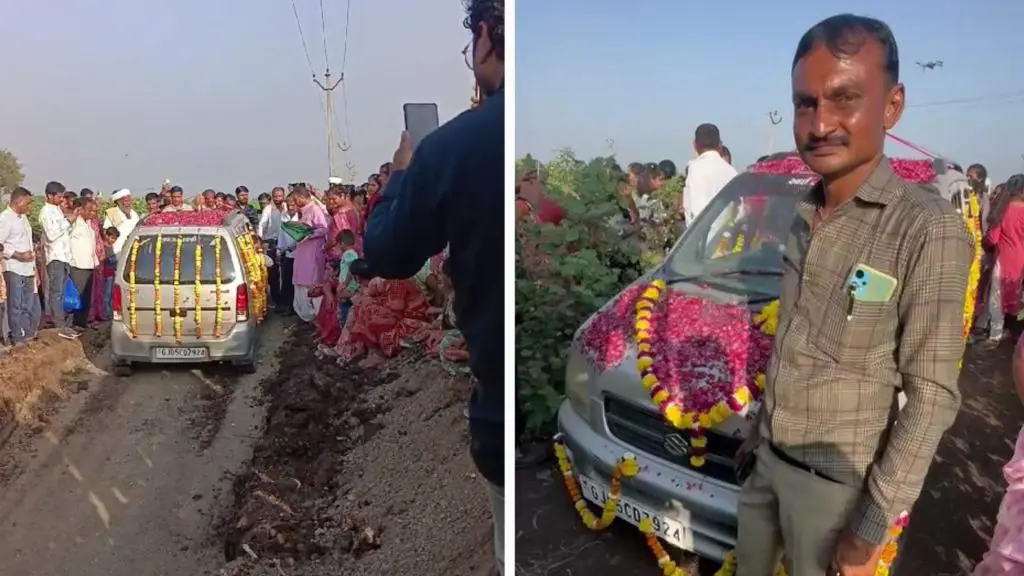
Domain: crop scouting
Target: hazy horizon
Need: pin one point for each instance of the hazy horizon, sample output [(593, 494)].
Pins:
[(114, 93)]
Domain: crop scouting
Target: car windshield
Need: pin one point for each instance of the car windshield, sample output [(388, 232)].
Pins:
[(736, 243), (146, 258)]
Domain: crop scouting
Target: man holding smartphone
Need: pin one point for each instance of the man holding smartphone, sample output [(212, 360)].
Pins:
[(452, 194), (871, 302)]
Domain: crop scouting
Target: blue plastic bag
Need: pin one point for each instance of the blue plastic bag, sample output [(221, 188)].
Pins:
[(72, 299)]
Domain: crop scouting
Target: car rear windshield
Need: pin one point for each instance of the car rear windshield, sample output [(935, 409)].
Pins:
[(146, 257)]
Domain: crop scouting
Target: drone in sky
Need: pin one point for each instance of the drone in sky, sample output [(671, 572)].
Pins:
[(930, 65)]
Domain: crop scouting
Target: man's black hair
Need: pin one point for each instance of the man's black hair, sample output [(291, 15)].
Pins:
[(176, 189), (19, 193), (70, 196), (112, 232), (492, 13), (55, 189), (979, 169), (844, 35), (85, 192), (220, 195), (725, 152), (635, 168), (242, 189), (668, 169), (152, 196), (263, 197), (707, 137)]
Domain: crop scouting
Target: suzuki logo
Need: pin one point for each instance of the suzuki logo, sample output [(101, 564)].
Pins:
[(676, 445)]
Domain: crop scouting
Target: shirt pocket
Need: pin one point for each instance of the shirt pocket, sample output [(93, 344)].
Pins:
[(854, 332)]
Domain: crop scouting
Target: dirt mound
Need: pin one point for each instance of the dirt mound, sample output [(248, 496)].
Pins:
[(359, 472), (44, 369)]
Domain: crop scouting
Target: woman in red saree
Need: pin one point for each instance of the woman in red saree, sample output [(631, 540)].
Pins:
[(344, 216), (385, 315)]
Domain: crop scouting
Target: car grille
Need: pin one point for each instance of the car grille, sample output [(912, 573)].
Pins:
[(649, 432)]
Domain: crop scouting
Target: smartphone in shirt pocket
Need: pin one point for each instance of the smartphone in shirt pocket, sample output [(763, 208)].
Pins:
[(869, 286)]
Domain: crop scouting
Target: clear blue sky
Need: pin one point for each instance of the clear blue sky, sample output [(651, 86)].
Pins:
[(215, 93), (645, 73)]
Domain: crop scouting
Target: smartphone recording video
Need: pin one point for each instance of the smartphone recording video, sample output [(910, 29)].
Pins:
[(420, 120)]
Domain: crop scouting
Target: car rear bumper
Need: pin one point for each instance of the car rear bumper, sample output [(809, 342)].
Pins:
[(238, 346), (707, 505)]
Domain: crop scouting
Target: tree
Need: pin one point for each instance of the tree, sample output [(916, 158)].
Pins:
[(11, 175)]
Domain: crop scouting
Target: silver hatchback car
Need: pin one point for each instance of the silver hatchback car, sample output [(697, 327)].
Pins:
[(608, 412), (206, 315)]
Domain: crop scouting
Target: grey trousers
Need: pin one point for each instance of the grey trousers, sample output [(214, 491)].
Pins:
[(56, 278), (789, 511)]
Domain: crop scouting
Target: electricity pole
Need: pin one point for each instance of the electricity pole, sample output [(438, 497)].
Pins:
[(328, 89)]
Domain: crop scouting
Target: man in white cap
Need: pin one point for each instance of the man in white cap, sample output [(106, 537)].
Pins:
[(121, 216)]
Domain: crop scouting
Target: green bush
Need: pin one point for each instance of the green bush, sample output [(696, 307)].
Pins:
[(565, 273)]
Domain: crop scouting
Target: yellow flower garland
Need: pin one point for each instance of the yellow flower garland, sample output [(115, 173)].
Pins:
[(133, 317), (218, 317), (626, 467), (158, 321), (974, 225), (199, 289), (696, 422), (177, 290)]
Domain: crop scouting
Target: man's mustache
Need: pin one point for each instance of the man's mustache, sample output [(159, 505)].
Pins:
[(835, 140)]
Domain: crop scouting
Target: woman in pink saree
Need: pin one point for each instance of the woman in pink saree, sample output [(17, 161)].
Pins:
[(344, 216)]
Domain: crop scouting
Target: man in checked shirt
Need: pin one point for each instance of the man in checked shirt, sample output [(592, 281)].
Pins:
[(834, 465)]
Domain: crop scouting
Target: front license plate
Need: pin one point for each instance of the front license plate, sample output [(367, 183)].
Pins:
[(180, 353), (672, 531)]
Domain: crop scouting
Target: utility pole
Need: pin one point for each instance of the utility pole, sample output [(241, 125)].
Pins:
[(328, 89)]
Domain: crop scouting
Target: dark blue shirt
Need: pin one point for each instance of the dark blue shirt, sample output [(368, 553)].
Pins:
[(453, 194)]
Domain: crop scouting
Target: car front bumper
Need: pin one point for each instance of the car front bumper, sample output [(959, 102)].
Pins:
[(707, 505)]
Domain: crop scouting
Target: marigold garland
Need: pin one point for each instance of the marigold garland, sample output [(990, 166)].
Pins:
[(158, 321), (218, 316), (694, 421), (972, 218), (199, 290), (133, 316), (177, 290), (256, 269), (628, 467)]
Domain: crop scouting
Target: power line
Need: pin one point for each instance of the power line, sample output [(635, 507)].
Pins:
[(323, 32), (305, 51), (302, 38), (344, 92), (1004, 97)]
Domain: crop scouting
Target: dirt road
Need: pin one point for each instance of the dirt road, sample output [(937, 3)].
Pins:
[(950, 527), (128, 475)]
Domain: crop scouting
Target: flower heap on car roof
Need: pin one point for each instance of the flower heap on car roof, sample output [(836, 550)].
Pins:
[(200, 218)]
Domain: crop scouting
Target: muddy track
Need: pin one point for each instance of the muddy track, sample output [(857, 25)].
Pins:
[(125, 477), (359, 472)]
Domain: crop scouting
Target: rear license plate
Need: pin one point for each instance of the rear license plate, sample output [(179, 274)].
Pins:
[(180, 353), (670, 530)]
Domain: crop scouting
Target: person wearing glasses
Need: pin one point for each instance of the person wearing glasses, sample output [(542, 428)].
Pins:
[(452, 194)]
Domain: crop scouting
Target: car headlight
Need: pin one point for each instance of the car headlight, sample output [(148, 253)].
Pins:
[(576, 377)]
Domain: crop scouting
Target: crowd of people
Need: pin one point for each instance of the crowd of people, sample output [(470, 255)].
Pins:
[(74, 245)]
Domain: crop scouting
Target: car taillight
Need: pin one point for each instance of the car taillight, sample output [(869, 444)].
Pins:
[(242, 304), (116, 302)]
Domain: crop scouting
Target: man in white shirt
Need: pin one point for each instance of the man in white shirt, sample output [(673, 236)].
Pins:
[(706, 174), (19, 267), (177, 201), (269, 230), (122, 217), (56, 240)]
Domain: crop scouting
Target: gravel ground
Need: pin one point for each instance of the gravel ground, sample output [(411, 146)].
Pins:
[(950, 527), (360, 473)]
